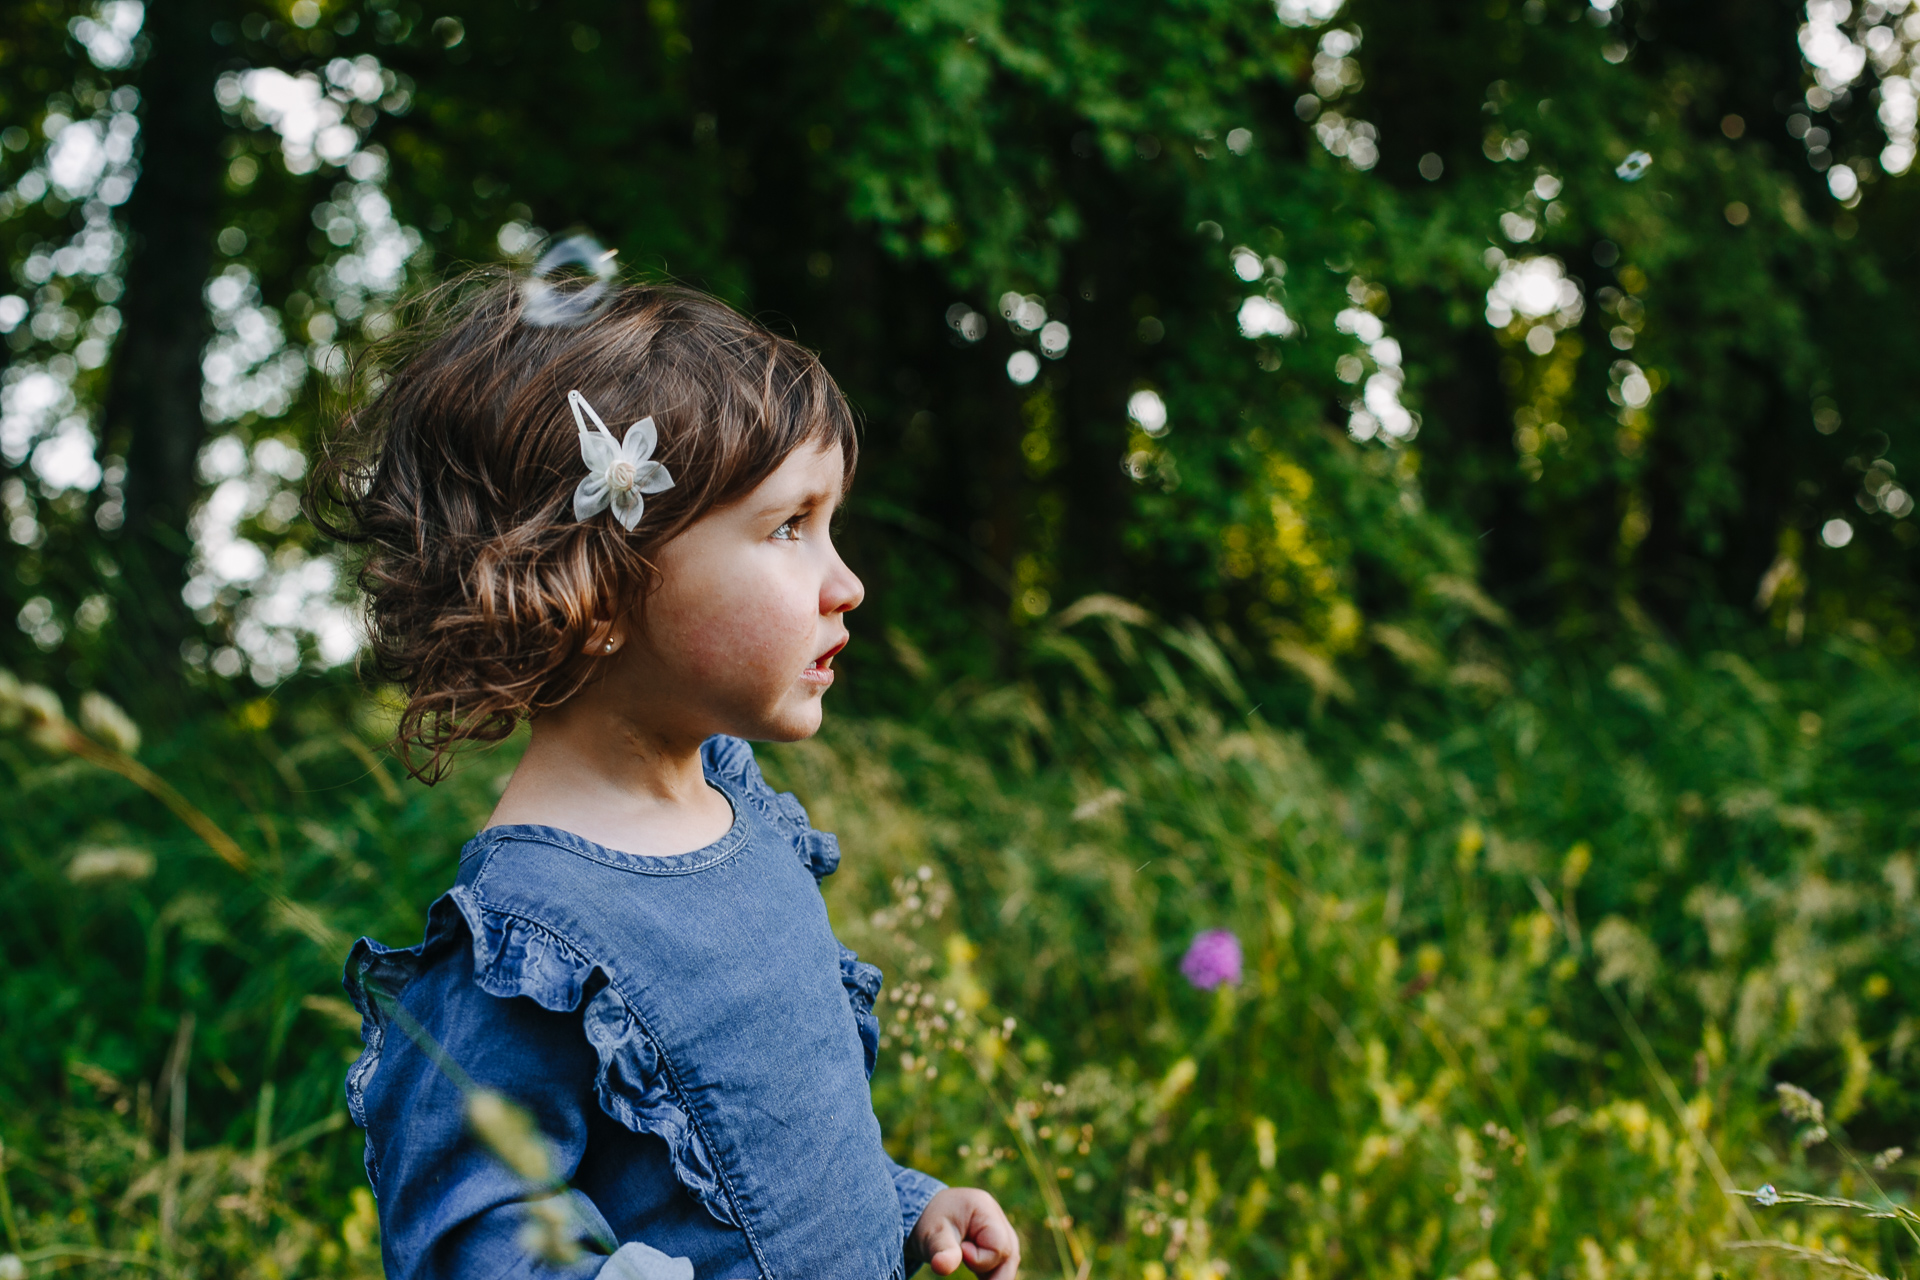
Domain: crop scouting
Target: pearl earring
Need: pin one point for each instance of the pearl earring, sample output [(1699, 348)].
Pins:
[(609, 646)]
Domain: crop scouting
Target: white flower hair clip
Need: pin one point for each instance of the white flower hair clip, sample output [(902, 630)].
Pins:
[(618, 472)]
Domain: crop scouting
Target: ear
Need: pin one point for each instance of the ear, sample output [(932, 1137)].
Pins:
[(604, 639)]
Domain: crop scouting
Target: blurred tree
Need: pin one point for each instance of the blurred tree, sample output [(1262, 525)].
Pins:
[(151, 415), (1356, 329)]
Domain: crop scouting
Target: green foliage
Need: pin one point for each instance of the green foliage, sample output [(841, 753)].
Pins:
[(856, 171), (943, 153), (1493, 742), (1421, 1072), (130, 938)]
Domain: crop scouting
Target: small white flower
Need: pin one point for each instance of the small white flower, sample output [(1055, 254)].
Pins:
[(618, 471)]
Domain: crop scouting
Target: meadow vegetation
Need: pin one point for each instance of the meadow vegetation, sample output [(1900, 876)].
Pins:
[(1416, 487), (1520, 983)]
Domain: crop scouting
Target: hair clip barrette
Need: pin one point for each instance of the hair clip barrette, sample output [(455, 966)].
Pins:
[(619, 472)]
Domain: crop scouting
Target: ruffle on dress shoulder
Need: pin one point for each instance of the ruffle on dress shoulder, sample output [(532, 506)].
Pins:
[(632, 1088), (862, 981), (514, 956), (733, 760)]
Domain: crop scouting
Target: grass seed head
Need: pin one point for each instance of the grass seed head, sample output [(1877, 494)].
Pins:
[(1798, 1105), (11, 707), (510, 1133), (101, 865), (106, 723), (550, 1232), (45, 719)]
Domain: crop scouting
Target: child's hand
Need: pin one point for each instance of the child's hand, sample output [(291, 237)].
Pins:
[(965, 1224)]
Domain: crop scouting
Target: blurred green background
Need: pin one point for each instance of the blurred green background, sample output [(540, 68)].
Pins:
[(1416, 485)]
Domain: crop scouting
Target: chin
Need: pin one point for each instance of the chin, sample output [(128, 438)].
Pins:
[(794, 724)]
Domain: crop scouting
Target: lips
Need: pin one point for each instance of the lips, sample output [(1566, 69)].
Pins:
[(820, 671), (825, 661)]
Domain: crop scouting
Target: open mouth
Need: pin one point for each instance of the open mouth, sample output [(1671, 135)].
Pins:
[(824, 663)]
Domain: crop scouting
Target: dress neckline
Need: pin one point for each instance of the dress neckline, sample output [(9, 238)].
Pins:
[(648, 864)]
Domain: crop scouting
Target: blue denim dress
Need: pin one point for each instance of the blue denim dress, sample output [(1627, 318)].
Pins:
[(686, 1030)]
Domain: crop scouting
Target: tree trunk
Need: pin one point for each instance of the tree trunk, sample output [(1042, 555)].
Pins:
[(152, 414)]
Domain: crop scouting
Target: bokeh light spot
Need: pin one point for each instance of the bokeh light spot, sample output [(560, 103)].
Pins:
[(1306, 13), (1262, 317), (1148, 410)]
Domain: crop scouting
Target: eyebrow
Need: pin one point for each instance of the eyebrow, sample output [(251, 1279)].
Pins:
[(812, 498)]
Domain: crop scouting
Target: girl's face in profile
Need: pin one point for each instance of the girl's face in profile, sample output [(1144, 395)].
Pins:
[(740, 636)]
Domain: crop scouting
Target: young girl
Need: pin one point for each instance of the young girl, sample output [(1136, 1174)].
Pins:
[(635, 949)]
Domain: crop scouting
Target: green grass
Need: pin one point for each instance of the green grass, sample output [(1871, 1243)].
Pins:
[(1520, 977)]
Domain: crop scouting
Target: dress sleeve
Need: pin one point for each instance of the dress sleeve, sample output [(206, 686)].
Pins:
[(732, 759), (448, 1209), (862, 983), (914, 1189)]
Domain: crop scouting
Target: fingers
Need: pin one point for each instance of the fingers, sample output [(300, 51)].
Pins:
[(990, 1264), (992, 1232), (992, 1249), (942, 1247), (1009, 1267), (964, 1225)]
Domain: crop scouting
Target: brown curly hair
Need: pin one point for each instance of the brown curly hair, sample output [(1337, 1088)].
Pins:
[(482, 591)]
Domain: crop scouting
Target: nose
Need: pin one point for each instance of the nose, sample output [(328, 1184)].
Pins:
[(842, 591)]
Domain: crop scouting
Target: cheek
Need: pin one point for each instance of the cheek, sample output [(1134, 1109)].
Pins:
[(744, 626)]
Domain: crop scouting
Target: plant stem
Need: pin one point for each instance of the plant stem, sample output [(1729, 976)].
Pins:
[(1701, 1146), (262, 1149), (84, 1254), (176, 1135), (1824, 1259), (6, 1205), (222, 844), (1073, 1261)]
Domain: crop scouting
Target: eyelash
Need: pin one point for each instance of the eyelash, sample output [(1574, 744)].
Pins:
[(789, 531)]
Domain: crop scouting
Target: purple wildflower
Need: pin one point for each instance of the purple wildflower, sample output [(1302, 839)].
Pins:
[(1213, 958)]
